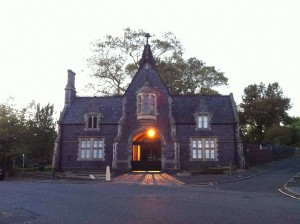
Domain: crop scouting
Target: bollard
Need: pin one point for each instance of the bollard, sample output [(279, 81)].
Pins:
[(107, 177)]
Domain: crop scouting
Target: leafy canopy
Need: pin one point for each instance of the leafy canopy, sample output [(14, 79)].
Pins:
[(30, 131), (294, 126), (115, 62), (9, 126), (42, 132), (262, 107)]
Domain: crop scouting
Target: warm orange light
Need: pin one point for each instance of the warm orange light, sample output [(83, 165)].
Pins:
[(136, 153), (139, 153), (151, 133)]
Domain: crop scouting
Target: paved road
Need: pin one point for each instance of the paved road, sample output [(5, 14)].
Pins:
[(28, 202), (275, 176), (250, 201)]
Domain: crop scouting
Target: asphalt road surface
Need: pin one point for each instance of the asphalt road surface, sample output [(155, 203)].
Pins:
[(255, 200)]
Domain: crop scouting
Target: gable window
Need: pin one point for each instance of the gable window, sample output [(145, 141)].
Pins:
[(146, 103), (146, 106), (92, 121), (204, 149), (139, 104), (202, 121), (91, 149)]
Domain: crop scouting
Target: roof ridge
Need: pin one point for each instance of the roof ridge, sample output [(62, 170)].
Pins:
[(200, 95), (98, 97)]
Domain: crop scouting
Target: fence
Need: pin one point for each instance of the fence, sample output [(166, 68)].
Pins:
[(256, 154)]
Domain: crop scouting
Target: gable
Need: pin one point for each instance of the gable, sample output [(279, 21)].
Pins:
[(110, 109), (147, 73)]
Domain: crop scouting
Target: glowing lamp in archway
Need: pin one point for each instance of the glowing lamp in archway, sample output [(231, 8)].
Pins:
[(151, 133)]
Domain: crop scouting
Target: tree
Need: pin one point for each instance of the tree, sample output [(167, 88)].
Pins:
[(30, 131), (116, 61), (295, 129), (42, 132), (10, 129), (262, 107), (281, 135), (21, 141), (192, 76)]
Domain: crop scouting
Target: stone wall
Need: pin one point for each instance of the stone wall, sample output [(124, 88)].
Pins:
[(70, 144), (225, 145)]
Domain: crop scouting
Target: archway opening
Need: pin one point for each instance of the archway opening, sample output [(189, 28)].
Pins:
[(146, 151)]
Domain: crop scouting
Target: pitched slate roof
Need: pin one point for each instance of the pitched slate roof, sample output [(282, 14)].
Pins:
[(147, 73), (202, 106), (109, 107), (220, 107)]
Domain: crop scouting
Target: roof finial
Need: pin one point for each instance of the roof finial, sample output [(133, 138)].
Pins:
[(147, 35), (147, 57)]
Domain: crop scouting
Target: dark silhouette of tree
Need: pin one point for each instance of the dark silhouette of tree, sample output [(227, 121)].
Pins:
[(262, 107), (116, 60), (42, 132)]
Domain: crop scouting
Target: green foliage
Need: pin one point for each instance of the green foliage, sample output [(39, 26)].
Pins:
[(41, 132), (9, 130), (192, 76), (295, 129), (263, 107), (30, 131), (116, 59), (280, 135)]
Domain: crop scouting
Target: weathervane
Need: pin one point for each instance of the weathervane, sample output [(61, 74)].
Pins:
[(147, 35)]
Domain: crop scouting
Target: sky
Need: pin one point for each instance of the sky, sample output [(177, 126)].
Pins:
[(250, 41)]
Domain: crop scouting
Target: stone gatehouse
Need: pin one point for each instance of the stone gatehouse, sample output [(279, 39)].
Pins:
[(147, 128)]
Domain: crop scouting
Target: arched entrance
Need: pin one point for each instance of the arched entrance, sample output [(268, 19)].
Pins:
[(146, 151)]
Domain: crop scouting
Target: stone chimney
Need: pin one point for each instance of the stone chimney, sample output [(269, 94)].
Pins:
[(70, 91)]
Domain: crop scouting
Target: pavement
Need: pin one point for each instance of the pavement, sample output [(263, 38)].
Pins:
[(293, 185), (212, 179)]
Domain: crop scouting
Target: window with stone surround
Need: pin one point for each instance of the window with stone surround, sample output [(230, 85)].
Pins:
[(146, 103), (92, 121), (91, 149), (204, 149), (146, 106), (202, 121)]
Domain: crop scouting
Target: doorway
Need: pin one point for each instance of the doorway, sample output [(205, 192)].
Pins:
[(146, 156), (146, 153)]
